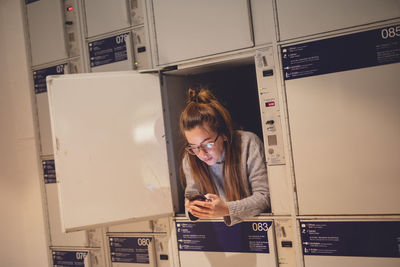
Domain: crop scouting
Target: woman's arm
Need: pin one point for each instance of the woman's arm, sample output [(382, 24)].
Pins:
[(254, 170)]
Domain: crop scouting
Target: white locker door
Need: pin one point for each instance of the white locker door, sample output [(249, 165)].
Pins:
[(307, 17), (192, 29), (103, 16), (110, 151), (344, 117), (46, 31)]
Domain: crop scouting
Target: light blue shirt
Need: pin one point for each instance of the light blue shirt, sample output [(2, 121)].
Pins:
[(216, 172)]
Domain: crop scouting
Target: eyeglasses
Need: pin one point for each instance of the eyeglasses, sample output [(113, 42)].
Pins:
[(207, 147)]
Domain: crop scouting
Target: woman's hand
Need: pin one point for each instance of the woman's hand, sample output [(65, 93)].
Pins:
[(213, 208)]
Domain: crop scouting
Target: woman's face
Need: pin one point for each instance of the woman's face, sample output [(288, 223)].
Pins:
[(200, 136)]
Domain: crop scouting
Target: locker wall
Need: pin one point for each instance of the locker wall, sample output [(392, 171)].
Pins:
[(270, 23)]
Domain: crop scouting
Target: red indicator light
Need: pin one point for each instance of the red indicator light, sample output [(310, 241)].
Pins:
[(70, 8), (270, 104)]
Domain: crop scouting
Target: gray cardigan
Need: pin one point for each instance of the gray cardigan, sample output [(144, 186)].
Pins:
[(254, 174)]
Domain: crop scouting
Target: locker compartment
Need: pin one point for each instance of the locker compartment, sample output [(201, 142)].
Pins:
[(161, 242), (303, 18), (234, 84), (344, 122), (187, 30), (350, 242), (91, 238), (103, 16), (131, 250), (71, 257), (42, 104), (57, 236), (111, 53), (244, 86), (212, 243), (46, 31)]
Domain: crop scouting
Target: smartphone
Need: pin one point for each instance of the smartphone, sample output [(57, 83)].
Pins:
[(193, 197)]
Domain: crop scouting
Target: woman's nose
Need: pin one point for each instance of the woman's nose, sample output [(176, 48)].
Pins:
[(202, 153)]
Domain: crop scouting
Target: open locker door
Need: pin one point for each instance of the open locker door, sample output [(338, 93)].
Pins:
[(110, 148)]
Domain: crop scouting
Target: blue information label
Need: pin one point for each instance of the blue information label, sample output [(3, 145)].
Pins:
[(348, 52), (130, 249), (39, 77), (69, 258), (359, 239), (108, 50), (248, 237), (49, 171)]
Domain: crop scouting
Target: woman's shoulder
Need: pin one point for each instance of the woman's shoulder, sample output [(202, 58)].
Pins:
[(248, 137)]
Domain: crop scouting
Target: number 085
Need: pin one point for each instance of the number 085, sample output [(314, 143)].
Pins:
[(390, 32)]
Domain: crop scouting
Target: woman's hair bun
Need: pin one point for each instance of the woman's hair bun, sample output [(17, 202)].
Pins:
[(203, 96)]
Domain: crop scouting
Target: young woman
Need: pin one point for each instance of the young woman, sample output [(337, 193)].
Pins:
[(225, 166)]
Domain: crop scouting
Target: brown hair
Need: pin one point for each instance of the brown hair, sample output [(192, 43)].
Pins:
[(203, 108)]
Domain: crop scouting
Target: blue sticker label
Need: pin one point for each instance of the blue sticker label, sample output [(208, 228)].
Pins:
[(108, 50), (49, 171), (348, 52), (30, 1), (130, 249), (251, 237), (39, 77), (69, 258), (358, 239)]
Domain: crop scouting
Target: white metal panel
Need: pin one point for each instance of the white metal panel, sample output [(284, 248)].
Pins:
[(307, 17), (263, 21), (110, 157), (345, 128), (58, 238), (103, 16), (191, 29), (46, 31)]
